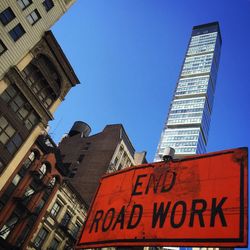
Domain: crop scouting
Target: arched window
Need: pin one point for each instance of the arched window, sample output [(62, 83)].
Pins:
[(52, 182), (50, 67), (9, 225), (39, 85), (31, 158), (42, 171), (45, 168)]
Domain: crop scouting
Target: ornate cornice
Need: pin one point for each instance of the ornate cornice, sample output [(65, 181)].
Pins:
[(49, 47)]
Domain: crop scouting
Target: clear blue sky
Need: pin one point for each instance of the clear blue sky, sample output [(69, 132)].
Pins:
[(127, 55)]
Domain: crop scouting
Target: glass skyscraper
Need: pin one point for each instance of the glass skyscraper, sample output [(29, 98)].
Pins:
[(187, 125)]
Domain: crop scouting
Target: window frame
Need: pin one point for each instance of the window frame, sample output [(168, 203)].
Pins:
[(25, 5), (6, 16), (14, 143), (18, 103), (66, 220), (42, 170), (55, 211), (3, 47), (23, 236), (8, 192), (14, 140), (40, 205), (9, 224), (52, 182), (54, 244), (40, 87), (17, 32), (29, 160), (77, 228), (48, 5), (29, 191), (41, 237), (28, 194), (5, 133), (33, 17)]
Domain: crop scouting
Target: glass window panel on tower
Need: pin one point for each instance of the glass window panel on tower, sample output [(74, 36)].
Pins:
[(189, 117)]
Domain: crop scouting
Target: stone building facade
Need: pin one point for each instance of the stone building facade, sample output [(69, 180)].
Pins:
[(30, 93)]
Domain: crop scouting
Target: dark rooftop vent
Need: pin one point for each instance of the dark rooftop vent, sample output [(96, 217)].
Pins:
[(80, 127)]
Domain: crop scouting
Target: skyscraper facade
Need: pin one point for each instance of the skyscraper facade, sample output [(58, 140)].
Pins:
[(187, 125)]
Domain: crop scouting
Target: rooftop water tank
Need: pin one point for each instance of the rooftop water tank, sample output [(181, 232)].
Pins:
[(80, 127)]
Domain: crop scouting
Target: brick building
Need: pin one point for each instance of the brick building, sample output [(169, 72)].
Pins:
[(87, 158), (28, 192)]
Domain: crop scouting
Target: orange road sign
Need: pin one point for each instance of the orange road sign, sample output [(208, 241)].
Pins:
[(197, 201)]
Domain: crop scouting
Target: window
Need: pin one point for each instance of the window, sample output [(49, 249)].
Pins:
[(6, 130), (31, 158), (9, 225), (14, 143), (24, 3), (54, 244), (119, 167), (3, 48), (20, 106), (66, 219), (48, 5), (11, 188), (40, 238), (8, 136), (16, 179), (42, 171), (52, 183), (33, 17), (28, 192), (76, 230), (121, 149), (39, 86), (17, 32), (7, 16), (128, 163), (40, 206), (55, 209), (23, 236)]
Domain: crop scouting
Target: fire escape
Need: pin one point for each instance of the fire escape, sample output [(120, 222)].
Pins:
[(24, 209)]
